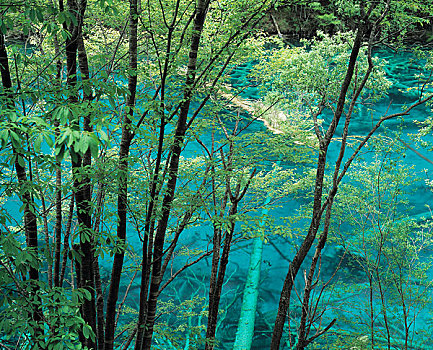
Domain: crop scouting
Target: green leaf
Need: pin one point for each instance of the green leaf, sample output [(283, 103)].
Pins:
[(86, 331), (39, 15), (60, 152), (73, 18), (61, 17), (3, 28), (82, 144), (103, 135), (87, 294), (37, 144), (32, 14), (48, 140), (21, 161), (94, 148), (4, 135), (111, 100)]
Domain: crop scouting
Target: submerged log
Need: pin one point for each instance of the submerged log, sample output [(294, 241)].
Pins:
[(275, 119)]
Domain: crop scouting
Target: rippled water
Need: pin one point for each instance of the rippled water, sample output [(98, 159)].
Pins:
[(351, 288), (279, 250)]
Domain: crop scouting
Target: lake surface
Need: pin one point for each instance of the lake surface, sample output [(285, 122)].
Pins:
[(350, 283), (347, 296)]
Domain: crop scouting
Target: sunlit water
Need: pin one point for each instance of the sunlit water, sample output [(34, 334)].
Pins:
[(402, 72), (278, 251)]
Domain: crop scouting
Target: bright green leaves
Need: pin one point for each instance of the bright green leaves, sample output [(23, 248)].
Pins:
[(20, 131), (6, 23), (62, 114), (4, 137), (380, 235), (38, 142), (67, 17), (11, 18), (80, 141), (71, 136), (18, 301), (108, 7), (324, 17), (11, 249), (83, 141), (35, 14), (88, 333), (314, 72), (86, 294), (15, 139)]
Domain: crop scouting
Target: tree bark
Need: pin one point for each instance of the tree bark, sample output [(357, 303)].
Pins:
[(308, 241), (58, 203), (122, 199), (217, 280), (30, 223), (81, 186), (176, 149)]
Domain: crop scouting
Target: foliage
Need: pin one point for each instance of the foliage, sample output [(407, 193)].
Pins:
[(146, 175), (303, 18), (308, 76), (62, 318), (385, 252)]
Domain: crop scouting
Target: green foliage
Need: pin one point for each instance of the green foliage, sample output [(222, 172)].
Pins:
[(62, 318), (306, 17), (384, 252), (43, 133), (312, 74)]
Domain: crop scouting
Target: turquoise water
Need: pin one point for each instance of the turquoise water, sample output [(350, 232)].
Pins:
[(278, 250), (347, 295)]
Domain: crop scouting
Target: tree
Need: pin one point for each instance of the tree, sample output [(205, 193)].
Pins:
[(98, 119), (388, 251), (332, 80), (72, 112)]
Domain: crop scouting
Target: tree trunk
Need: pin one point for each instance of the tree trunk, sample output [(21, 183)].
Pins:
[(81, 186), (122, 199), (58, 202), (176, 149), (216, 285), (30, 223), (58, 225), (295, 265)]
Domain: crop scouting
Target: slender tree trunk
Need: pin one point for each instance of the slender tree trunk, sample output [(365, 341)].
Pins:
[(98, 284), (176, 149), (308, 241), (300, 254), (30, 222), (213, 282), (82, 187), (83, 205), (58, 203), (66, 240), (216, 285), (303, 329), (76, 263), (122, 199), (217, 281), (87, 161), (58, 225), (47, 248), (150, 218)]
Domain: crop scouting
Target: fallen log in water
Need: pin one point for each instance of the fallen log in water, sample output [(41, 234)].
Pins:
[(274, 119)]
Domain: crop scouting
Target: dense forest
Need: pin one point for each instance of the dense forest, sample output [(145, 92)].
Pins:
[(216, 174)]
